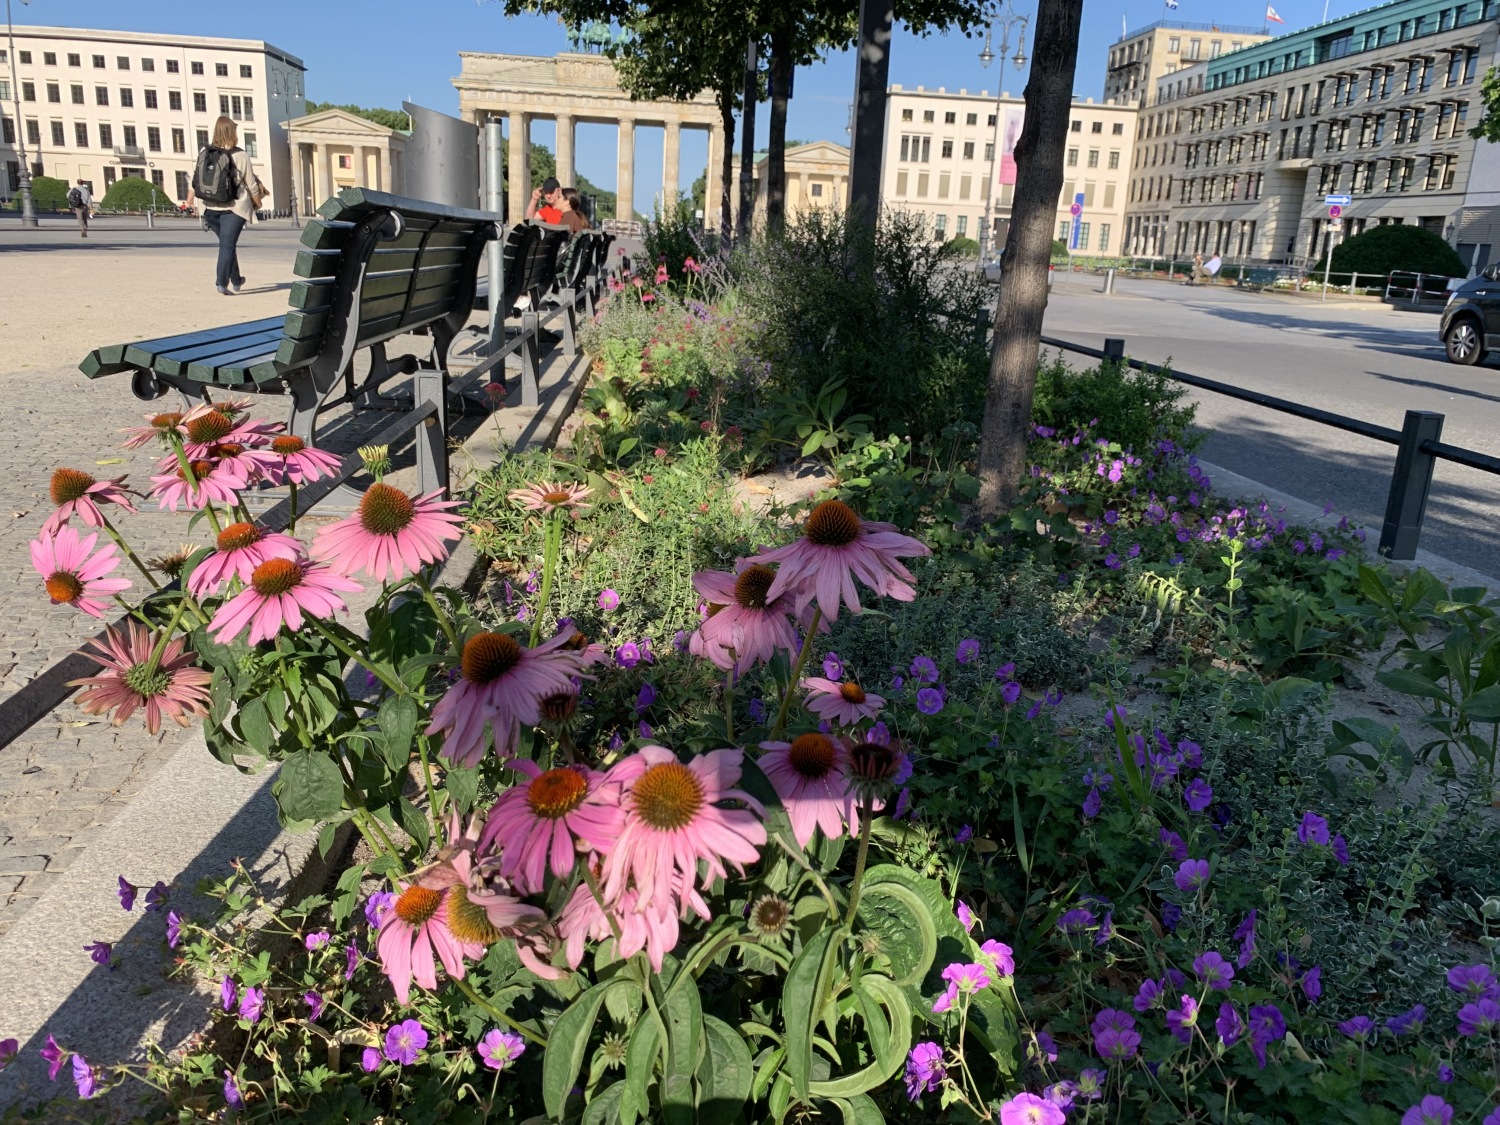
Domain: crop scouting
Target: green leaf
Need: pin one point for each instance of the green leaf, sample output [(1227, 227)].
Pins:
[(900, 918), (1483, 706), (801, 999), (813, 443), (254, 723), (398, 719), (859, 1110), (640, 1070), (568, 1044), (414, 823), (725, 1074), (767, 1070), (887, 995), (605, 1108), (682, 1012), (1408, 682), (308, 788), (462, 786)]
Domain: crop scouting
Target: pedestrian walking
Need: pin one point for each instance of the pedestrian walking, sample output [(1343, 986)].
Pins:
[(81, 200), (226, 187)]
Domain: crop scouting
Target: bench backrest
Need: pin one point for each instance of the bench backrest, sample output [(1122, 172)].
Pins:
[(520, 245), (377, 265), (541, 263)]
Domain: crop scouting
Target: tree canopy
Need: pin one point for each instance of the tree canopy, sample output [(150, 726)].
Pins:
[(1391, 247), (390, 118)]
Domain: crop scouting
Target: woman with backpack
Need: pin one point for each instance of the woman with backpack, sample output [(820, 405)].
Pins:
[(229, 191)]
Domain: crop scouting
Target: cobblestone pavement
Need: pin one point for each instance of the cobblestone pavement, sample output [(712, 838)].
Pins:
[(70, 773)]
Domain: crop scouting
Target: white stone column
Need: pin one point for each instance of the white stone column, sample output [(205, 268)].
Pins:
[(841, 193), (625, 173), (803, 200), (361, 166), (671, 164), (323, 157), (520, 166), (567, 170), (386, 182), (713, 182), (299, 179)]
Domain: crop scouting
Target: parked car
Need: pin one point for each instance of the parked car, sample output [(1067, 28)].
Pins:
[(1470, 327)]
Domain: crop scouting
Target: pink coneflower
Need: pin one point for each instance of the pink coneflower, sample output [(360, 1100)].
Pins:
[(72, 575), (652, 929), (836, 548), (241, 547), (843, 703), (207, 425), (212, 483), (750, 626), (76, 492), (174, 688), (417, 926), (557, 814), (298, 462), (244, 461), (391, 533), (811, 776), (157, 428), (504, 685), (548, 498), (280, 590), (673, 820)]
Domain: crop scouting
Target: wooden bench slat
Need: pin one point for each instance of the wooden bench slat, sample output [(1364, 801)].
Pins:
[(206, 370), (176, 361), (325, 263), (193, 344)]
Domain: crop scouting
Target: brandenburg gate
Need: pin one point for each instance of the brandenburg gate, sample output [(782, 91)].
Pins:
[(571, 88)]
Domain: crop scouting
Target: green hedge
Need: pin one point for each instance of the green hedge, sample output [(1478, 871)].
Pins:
[(1383, 249), (136, 194)]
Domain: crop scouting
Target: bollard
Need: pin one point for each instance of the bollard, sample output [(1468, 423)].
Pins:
[(1109, 281), (1416, 290), (150, 220), (1114, 349), (1411, 481)]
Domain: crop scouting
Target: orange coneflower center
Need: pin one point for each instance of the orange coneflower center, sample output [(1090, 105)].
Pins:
[(557, 496), (873, 762), (417, 904), (229, 449), (770, 915), (559, 707), (577, 642), (556, 793), (69, 485), (468, 920), (64, 586), (275, 576), (200, 469), (209, 427), (751, 587), (237, 536), (488, 656), (852, 692), (385, 510), (147, 681), (168, 421), (288, 445), (667, 796), (832, 524), (812, 755)]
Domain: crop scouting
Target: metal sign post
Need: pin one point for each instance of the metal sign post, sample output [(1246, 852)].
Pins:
[(1073, 235), (1335, 225)]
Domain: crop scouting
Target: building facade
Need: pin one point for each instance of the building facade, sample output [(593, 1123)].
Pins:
[(104, 105), (1375, 105), (951, 158), (817, 176), (1141, 58), (334, 149)]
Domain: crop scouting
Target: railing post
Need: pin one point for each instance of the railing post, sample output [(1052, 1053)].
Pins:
[(1410, 482), (1416, 290), (430, 385), (1114, 349)]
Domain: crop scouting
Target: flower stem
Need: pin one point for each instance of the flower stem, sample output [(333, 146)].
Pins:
[(551, 544), (614, 925), (802, 654), (129, 553), (166, 637), (432, 804), (192, 479), (859, 862), (729, 704), (339, 643), (468, 990), (442, 618)]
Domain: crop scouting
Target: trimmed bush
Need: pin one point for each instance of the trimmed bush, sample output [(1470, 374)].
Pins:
[(136, 194), (48, 193), (963, 247), (1383, 249)]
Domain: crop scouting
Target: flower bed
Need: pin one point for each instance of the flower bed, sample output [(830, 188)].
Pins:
[(699, 815)]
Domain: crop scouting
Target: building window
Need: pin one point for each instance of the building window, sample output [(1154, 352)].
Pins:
[(174, 99), (1174, 44), (244, 70), (1195, 48), (150, 99), (122, 62), (59, 138), (921, 185), (989, 151), (179, 140), (940, 225), (1064, 230), (1114, 158), (156, 178), (172, 67), (101, 95), (182, 185), (947, 150), (1076, 127), (81, 134), (224, 104), (927, 115), (148, 65), (346, 160), (817, 189), (127, 97), (109, 177), (196, 68), (1119, 129), (253, 151), (129, 133), (906, 115), (153, 138), (968, 150), (106, 136), (75, 60), (33, 132), (1215, 49), (54, 92), (1093, 158), (202, 138), (1103, 237), (1083, 236), (1072, 158), (75, 92), (950, 118), (25, 57), (900, 183), (200, 102), (971, 119), (28, 91), (1097, 127), (992, 120), (221, 70), (962, 227), (98, 61)]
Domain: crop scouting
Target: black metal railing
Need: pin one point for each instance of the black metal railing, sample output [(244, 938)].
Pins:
[(1418, 448)]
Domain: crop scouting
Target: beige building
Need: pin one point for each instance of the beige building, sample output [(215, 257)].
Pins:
[(336, 149), (1140, 58), (817, 175), (950, 157), (1375, 106), (103, 105)]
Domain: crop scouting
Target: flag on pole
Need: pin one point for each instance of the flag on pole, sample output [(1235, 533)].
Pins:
[(1271, 16), (1172, 5)]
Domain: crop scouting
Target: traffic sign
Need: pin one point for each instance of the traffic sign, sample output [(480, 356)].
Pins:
[(1335, 226), (1338, 200), (1334, 210), (1076, 210)]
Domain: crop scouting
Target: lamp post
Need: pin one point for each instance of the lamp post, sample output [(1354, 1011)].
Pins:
[(28, 212), (1008, 21)]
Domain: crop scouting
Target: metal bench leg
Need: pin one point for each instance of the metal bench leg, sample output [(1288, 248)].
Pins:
[(531, 358), (570, 323), (431, 385)]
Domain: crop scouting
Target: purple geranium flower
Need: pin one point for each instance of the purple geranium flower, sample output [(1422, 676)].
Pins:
[(404, 1040), (966, 916), (1245, 935), (968, 649), (9, 1048), (1182, 1019), (157, 896), (369, 1061), (1313, 829), (1341, 850), (1473, 980), (317, 940), (1198, 795), (628, 655), (1090, 1084), (1213, 970), (1092, 803), (1115, 1037), (1077, 921), (999, 957), (1116, 714), (84, 1077), (1191, 874), (53, 1055), (314, 1004), (228, 994), (498, 1049), (174, 929), (1147, 995), (252, 1002), (1479, 1017), (232, 1096), (833, 666), (1043, 1047), (376, 906), (1312, 983), (924, 1069), (1176, 847), (1267, 1026), (644, 698), (351, 957), (1009, 693), (964, 834), (929, 701), (1229, 1025), (1431, 1110), (609, 600), (101, 953), (924, 670), (127, 892), (1407, 1022)]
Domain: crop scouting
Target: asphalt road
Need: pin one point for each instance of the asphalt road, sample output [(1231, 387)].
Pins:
[(1366, 361)]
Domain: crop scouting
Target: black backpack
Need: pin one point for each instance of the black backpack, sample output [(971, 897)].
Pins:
[(216, 180), (75, 198)]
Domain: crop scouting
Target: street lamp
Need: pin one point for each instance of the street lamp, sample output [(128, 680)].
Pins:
[(28, 212), (1008, 21)]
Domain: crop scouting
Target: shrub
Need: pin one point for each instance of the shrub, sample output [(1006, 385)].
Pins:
[(48, 193), (1059, 248), (675, 235), (963, 247), (1383, 249), (1140, 408), (885, 311), (136, 194)]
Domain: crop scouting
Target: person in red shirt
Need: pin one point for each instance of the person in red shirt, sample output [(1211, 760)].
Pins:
[(543, 206)]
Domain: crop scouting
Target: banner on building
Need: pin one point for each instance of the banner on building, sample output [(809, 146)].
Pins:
[(1010, 133)]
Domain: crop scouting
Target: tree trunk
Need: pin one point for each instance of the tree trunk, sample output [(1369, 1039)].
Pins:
[(726, 185), (747, 144), (867, 135), (1022, 298), (781, 88)]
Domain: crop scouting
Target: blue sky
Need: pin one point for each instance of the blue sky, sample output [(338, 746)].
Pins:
[(378, 52)]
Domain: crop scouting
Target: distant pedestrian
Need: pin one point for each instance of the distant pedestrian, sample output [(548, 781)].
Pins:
[(1199, 273), (230, 193), (570, 207), (544, 200), (81, 200)]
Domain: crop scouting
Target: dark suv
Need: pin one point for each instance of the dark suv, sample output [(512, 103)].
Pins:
[(1471, 322)]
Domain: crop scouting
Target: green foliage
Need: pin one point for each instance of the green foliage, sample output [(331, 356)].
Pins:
[(1379, 250), (1059, 248), (1137, 408), (963, 247), (674, 235), (1488, 126), (884, 311), (390, 118), (47, 193), (136, 194)]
